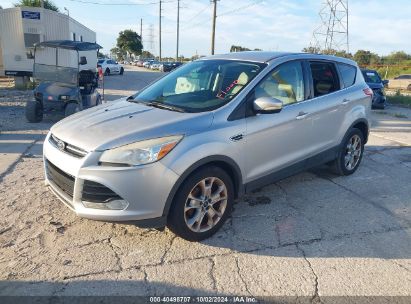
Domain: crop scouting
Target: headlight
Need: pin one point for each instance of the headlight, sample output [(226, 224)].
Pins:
[(142, 152)]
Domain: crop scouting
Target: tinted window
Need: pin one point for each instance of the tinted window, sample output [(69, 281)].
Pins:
[(371, 77), (404, 77), (348, 74), (325, 79), (285, 83)]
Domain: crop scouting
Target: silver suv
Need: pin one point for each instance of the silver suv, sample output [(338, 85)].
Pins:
[(180, 151)]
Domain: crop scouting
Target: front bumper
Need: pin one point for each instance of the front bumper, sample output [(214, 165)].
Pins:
[(144, 188)]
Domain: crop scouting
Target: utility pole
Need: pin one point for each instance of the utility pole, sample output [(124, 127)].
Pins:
[(159, 32), (141, 29), (178, 27), (213, 29)]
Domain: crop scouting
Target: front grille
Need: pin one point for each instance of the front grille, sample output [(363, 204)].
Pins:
[(64, 181), (67, 148), (97, 193)]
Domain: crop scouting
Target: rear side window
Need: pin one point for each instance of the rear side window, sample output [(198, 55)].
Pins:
[(348, 74), (325, 80)]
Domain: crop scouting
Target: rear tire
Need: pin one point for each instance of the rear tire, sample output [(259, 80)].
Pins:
[(121, 71), (34, 111), (350, 154), (71, 108), (202, 204)]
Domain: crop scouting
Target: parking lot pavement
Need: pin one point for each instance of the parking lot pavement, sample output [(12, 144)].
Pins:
[(313, 235)]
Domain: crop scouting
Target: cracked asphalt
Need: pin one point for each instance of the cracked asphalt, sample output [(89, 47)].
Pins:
[(307, 238)]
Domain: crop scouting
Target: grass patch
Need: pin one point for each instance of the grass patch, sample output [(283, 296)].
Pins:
[(398, 115), (400, 100)]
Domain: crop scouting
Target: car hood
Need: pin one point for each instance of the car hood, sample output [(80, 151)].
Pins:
[(122, 122)]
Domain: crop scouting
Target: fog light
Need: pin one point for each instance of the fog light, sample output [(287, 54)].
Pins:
[(111, 205)]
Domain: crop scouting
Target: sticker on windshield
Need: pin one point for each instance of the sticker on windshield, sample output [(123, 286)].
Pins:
[(370, 74), (223, 93)]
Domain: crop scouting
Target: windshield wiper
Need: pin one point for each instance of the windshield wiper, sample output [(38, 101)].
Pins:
[(161, 105), (157, 104)]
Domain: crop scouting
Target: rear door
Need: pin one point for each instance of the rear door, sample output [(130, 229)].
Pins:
[(327, 106)]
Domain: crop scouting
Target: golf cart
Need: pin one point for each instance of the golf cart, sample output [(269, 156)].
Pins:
[(63, 88)]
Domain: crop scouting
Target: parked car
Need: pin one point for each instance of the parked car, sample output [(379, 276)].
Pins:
[(139, 63), (181, 150), (169, 66), (110, 66), (147, 64), (402, 82), (373, 79), (154, 65)]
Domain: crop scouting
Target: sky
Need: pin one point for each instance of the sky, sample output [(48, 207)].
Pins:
[(271, 25)]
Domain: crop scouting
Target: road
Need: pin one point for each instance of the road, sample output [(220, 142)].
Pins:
[(309, 238)]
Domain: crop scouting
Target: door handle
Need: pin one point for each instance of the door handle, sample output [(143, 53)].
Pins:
[(301, 115), (345, 101)]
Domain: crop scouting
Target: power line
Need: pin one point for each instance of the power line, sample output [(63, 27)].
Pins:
[(240, 8), (120, 4)]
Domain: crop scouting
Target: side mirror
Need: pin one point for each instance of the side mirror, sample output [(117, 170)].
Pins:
[(267, 105), (83, 60), (385, 82)]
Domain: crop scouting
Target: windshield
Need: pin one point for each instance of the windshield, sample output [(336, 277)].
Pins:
[(201, 85), (371, 77), (100, 61), (64, 75)]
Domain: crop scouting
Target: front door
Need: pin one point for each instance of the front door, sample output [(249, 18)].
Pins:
[(278, 140)]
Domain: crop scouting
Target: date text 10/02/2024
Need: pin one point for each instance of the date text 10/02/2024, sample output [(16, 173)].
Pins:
[(204, 299)]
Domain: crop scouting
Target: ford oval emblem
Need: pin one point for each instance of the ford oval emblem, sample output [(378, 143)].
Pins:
[(60, 144)]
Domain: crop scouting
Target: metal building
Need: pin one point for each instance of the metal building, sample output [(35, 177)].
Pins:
[(22, 27)]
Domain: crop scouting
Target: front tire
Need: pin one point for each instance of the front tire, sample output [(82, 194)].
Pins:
[(71, 108), (107, 72), (34, 111), (350, 154), (121, 71), (202, 204)]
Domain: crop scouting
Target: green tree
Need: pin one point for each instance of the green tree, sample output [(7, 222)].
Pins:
[(48, 4), (238, 48), (311, 49), (146, 54), (119, 53), (130, 41), (365, 58)]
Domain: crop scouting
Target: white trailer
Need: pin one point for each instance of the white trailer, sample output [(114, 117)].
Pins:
[(22, 27)]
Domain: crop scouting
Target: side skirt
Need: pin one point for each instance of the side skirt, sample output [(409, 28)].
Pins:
[(316, 160)]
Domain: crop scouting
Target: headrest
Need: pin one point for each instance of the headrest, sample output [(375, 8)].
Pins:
[(242, 79)]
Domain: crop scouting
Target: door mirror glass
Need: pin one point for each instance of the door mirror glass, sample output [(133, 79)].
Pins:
[(267, 105), (385, 82), (83, 60)]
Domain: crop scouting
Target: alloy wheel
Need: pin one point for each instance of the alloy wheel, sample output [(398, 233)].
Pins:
[(205, 204), (353, 152)]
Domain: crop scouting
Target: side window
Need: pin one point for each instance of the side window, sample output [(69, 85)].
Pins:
[(285, 83), (325, 80), (348, 74)]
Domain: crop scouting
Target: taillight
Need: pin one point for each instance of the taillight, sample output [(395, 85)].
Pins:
[(368, 92)]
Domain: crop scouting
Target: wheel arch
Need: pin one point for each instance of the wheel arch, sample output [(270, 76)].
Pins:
[(363, 126), (221, 161)]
